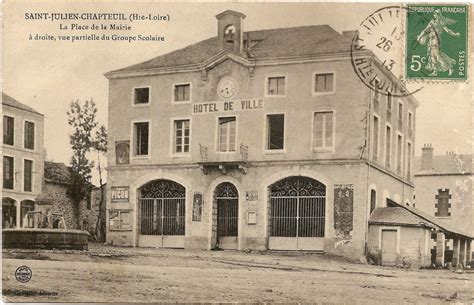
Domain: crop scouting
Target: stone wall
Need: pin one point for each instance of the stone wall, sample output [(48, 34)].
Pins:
[(62, 204)]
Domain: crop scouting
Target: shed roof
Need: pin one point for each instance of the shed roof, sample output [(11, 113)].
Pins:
[(446, 165), (10, 101), (266, 44), (397, 216), (405, 215)]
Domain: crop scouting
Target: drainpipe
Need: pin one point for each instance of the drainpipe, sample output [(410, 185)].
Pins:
[(367, 140)]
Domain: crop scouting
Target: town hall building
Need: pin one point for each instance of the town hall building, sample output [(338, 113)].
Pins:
[(254, 140)]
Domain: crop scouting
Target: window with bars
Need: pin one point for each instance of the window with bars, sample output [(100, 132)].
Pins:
[(227, 130), (29, 135), (323, 130), (28, 176), (8, 130), (141, 133), (141, 95), (181, 136), (323, 82), (182, 93), (276, 85), (8, 172), (275, 131)]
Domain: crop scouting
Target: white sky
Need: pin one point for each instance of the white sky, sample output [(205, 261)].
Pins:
[(49, 75)]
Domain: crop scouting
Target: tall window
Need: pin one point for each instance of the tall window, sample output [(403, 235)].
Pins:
[(409, 160), (141, 96), (28, 176), (182, 93), (181, 136), (275, 131), (8, 130), (410, 124), (29, 135), (388, 146), (442, 206), (8, 172), (323, 82), (227, 129), (141, 132), (389, 106), (276, 85), (373, 200), (400, 115), (323, 129), (375, 153), (399, 154)]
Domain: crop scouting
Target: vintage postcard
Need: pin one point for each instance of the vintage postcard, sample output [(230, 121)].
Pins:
[(224, 152)]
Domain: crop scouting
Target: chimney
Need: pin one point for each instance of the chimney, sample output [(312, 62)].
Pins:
[(427, 157), (230, 31)]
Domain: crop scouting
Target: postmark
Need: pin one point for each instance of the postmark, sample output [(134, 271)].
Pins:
[(377, 52), (23, 274), (436, 42)]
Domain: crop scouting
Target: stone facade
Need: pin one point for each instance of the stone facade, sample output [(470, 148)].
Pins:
[(348, 169)]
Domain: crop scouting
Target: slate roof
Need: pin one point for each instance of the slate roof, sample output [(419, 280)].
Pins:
[(9, 101), (266, 44), (446, 164), (405, 215), (57, 172)]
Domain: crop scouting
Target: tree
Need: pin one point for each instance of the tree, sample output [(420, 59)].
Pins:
[(86, 136), (100, 146)]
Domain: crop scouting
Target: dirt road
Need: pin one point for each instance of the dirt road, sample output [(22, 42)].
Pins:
[(109, 274)]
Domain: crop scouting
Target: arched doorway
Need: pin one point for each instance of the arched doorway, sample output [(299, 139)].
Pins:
[(162, 206), (8, 213), (26, 221), (227, 202), (297, 214)]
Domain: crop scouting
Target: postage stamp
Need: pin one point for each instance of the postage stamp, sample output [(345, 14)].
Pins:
[(436, 42)]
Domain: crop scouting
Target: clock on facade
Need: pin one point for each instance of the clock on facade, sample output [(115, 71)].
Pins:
[(227, 88)]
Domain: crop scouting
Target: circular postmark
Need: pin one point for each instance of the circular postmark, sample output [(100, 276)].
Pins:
[(23, 274), (377, 55)]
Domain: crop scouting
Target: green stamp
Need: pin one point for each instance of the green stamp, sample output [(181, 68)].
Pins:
[(436, 42)]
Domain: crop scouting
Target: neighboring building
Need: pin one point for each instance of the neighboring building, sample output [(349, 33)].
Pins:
[(56, 199), (254, 140), (444, 190), (23, 160)]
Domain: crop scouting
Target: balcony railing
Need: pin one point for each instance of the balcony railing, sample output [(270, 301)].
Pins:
[(223, 160)]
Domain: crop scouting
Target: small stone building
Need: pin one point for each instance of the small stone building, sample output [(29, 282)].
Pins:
[(404, 235), (54, 196)]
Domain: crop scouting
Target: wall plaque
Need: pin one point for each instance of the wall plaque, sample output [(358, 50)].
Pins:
[(122, 152), (251, 195)]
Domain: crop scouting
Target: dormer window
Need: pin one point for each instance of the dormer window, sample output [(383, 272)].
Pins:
[(141, 95)]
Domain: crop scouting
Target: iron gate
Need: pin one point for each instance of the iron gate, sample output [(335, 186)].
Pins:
[(162, 214), (227, 199), (297, 214)]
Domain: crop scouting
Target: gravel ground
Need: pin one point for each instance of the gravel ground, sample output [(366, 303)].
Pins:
[(112, 274)]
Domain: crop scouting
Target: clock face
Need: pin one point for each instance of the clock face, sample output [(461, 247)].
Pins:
[(227, 88)]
